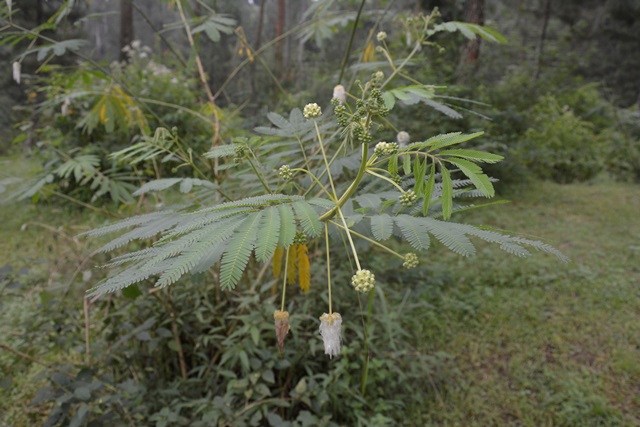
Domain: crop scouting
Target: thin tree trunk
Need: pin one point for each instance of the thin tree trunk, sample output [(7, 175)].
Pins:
[(473, 13), (126, 26), (279, 32), (260, 24), (543, 36)]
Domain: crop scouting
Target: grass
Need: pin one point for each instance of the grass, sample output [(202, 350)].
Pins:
[(537, 342)]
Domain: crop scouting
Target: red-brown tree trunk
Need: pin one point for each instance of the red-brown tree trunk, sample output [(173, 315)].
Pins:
[(473, 13), (126, 26)]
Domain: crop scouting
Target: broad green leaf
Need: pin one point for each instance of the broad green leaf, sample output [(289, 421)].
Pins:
[(447, 139), (447, 193), (428, 190), (406, 164), (474, 173), (474, 155)]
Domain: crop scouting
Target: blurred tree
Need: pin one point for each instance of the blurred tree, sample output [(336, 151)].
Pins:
[(126, 26)]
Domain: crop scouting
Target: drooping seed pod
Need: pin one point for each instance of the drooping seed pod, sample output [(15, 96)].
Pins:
[(281, 319)]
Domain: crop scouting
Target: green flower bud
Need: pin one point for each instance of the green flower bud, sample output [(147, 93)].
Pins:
[(312, 111)]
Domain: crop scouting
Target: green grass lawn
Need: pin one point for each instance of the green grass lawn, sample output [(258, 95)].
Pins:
[(537, 342)]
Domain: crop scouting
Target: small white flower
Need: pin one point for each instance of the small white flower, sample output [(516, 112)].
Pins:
[(311, 111), (381, 36), (340, 94), (331, 331), (64, 109), (363, 280), (410, 261), (16, 71), (136, 44), (402, 138)]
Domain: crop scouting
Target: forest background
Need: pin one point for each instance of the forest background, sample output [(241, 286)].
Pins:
[(485, 340)]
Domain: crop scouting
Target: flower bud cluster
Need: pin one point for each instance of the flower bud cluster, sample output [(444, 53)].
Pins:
[(410, 261), (299, 239), (385, 148), (381, 36), (363, 281), (408, 198), (312, 111), (285, 172), (240, 153)]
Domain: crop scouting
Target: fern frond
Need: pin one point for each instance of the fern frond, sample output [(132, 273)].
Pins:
[(133, 274), (144, 232), (268, 233), (188, 258), (126, 223), (238, 251), (162, 184), (381, 226), (221, 151), (414, 230), (255, 201), (309, 218), (451, 235)]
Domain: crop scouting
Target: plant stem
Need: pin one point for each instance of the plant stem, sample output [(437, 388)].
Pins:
[(352, 188), (326, 162), (353, 247), (353, 33), (258, 174), (312, 176), (380, 245), (392, 182), (284, 282), (326, 237), (201, 73)]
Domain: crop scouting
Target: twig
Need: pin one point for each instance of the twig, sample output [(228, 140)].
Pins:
[(24, 355)]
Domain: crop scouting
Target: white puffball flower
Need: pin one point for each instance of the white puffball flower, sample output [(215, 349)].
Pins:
[(16, 71), (331, 331), (381, 36), (340, 94), (402, 138)]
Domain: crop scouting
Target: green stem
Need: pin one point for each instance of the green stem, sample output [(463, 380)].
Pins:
[(352, 188), (353, 33), (326, 237), (258, 174), (370, 172), (380, 245), (284, 282), (353, 247), (317, 182), (326, 162), (365, 373)]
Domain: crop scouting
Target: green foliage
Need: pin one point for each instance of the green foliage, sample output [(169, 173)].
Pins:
[(559, 145)]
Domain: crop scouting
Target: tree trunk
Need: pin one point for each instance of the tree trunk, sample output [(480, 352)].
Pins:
[(260, 24), (473, 13), (543, 36), (126, 26), (279, 32)]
